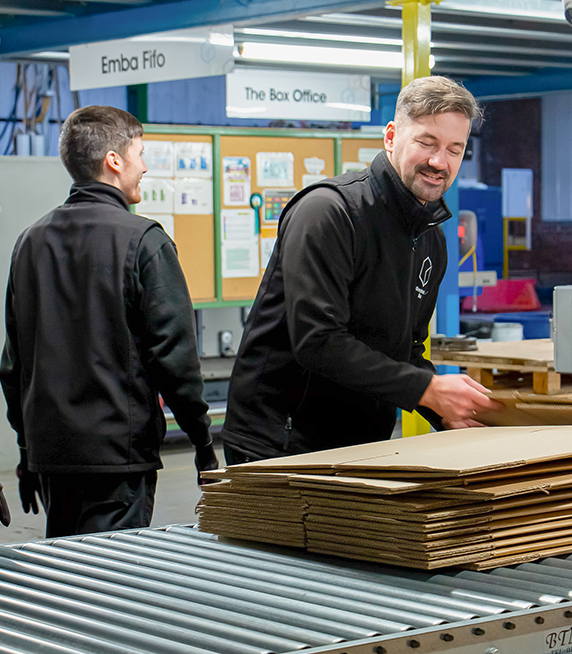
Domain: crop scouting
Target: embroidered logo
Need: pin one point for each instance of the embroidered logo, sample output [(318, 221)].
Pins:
[(424, 276)]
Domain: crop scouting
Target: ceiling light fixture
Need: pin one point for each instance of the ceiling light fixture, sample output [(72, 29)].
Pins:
[(64, 56), (316, 36), (298, 54)]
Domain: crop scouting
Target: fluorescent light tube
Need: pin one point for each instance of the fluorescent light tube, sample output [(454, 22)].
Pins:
[(316, 36), (323, 56)]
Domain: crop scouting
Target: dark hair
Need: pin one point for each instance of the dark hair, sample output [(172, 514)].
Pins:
[(88, 134), (426, 96)]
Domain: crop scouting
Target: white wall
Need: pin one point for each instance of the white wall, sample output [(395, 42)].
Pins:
[(29, 188), (215, 321)]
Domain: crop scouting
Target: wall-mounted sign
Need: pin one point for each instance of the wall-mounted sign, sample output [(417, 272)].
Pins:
[(179, 54), (261, 93)]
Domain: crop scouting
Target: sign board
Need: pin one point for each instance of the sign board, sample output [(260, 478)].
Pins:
[(262, 93), (179, 54)]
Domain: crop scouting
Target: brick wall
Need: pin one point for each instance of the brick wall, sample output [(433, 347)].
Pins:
[(511, 138)]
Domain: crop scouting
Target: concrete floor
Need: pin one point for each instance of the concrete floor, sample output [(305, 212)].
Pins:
[(175, 501)]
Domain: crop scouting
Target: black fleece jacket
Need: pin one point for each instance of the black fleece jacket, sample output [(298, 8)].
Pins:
[(98, 322), (334, 341)]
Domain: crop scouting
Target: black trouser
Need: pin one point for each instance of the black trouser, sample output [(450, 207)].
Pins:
[(93, 502)]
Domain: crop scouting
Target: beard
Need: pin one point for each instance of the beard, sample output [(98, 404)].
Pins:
[(424, 190)]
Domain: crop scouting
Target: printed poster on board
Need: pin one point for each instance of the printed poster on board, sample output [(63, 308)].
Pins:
[(193, 195), (275, 169), (239, 243), (159, 158), (236, 181), (193, 159)]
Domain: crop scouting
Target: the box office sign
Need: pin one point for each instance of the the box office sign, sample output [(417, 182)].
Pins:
[(262, 93), (179, 54)]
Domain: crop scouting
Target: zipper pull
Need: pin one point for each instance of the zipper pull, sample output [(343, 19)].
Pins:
[(414, 244), (289, 423)]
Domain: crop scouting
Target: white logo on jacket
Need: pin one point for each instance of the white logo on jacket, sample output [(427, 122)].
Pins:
[(424, 276)]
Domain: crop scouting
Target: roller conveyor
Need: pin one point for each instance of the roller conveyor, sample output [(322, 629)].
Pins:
[(177, 590)]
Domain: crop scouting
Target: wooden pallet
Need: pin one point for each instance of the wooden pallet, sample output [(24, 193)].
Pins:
[(512, 364)]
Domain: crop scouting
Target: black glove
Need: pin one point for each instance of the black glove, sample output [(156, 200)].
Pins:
[(29, 484), (205, 459), (4, 510)]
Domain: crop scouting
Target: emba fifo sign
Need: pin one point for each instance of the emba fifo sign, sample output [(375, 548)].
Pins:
[(149, 59), (179, 54)]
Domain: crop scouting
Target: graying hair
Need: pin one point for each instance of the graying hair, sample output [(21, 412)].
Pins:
[(427, 96)]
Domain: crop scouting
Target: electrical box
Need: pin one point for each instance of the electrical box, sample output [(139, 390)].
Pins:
[(561, 332)]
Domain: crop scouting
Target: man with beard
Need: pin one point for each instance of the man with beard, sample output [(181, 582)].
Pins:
[(334, 342), (98, 322)]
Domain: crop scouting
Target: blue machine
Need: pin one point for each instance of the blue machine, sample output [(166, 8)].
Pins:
[(487, 205)]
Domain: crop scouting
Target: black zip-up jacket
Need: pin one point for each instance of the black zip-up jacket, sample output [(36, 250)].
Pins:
[(98, 321), (335, 339)]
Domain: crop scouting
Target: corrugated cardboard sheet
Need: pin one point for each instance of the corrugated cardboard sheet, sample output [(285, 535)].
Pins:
[(474, 497)]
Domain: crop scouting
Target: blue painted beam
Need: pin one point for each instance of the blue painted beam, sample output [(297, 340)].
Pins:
[(448, 299), (45, 35), (544, 81)]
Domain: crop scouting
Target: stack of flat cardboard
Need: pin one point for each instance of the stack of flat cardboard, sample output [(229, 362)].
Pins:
[(260, 507), (476, 498)]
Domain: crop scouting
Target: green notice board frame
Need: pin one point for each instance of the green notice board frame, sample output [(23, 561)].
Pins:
[(341, 147)]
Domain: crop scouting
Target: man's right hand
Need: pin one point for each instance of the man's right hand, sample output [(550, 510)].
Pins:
[(457, 398), (29, 486)]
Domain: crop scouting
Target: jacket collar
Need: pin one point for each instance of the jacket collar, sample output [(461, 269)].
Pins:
[(97, 192), (386, 182)]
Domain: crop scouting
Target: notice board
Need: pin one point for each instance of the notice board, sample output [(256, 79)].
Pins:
[(226, 232)]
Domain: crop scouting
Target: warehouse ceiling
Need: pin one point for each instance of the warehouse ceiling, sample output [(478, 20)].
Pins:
[(469, 37)]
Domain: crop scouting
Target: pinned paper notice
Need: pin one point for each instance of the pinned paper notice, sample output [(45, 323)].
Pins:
[(239, 243), (157, 196), (240, 259), (314, 165), (275, 169), (236, 181), (266, 248), (193, 159), (237, 224), (193, 195), (159, 158)]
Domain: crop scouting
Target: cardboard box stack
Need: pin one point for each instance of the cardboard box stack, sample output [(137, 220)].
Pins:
[(476, 498)]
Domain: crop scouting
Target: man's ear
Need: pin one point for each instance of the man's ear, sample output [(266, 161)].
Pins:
[(112, 161), (389, 137)]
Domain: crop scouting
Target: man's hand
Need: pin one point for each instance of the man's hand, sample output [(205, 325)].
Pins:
[(457, 399), (205, 459), (29, 486)]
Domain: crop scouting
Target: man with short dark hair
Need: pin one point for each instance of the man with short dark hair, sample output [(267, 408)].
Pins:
[(334, 342), (99, 322)]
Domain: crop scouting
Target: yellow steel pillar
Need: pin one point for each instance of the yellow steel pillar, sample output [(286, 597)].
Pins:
[(416, 33)]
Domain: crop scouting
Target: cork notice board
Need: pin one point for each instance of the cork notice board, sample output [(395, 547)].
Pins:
[(360, 150), (302, 148), (194, 236)]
